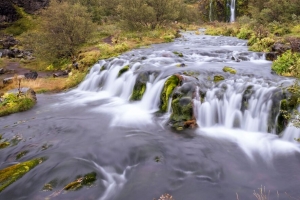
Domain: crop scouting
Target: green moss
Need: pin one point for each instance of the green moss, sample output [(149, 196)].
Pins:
[(12, 104), (218, 78), (86, 180), (21, 154), (11, 174), (4, 145), (123, 70), (229, 69), (178, 54), (171, 83), (138, 91)]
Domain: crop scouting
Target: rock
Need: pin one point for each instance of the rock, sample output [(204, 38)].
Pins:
[(280, 48), (2, 70), (271, 56), (8, 80), (123, 70), (229, 69), (61, 73), (182, 116), (171, 83), (8, 41), (218, 78), (31, 75), (11, 174), (139, 86), (25, 91)]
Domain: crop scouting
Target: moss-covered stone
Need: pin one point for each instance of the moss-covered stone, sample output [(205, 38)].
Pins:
[(218, 78), (178, 54), (123, 70), (229, 69), (139, 86), (4, 145), (21, 154), (11, 174), (246, 96), (86, 180), (171, 83)]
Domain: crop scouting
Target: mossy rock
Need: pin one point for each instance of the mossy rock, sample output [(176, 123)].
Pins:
[(21, 154), (218, 78), (4, 145), (246, 96), (139, 86), (11, 174), (178, 54), (123, 70), (86, 180), (229, 69), (171, 83)]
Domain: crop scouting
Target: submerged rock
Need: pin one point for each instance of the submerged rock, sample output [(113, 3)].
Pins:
[(139, 86), (218, 78), (229, 69), (11, 174)]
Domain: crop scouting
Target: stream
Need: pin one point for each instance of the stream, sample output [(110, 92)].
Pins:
[(95, 127)]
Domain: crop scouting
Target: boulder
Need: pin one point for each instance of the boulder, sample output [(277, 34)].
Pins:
[(271, 56), (61, 73), (31, 75), (229, 69), (140, 86)]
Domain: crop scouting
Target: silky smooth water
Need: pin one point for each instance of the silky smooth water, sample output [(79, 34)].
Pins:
[(96, 128)]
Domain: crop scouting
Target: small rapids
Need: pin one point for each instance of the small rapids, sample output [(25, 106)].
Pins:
[(113, 124)]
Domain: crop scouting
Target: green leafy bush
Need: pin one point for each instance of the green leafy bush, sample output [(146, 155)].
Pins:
[(288, 64), (244, 33), (263, 45)]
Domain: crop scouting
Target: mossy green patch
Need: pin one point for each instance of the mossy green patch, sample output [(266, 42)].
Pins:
[(21, 154), (218, 78), (11, 174), (229, 69), (123, 70), (138, 91), (4, 145), (171, 83), (86, 180)]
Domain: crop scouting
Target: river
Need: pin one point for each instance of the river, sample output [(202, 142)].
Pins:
[(136, 155)]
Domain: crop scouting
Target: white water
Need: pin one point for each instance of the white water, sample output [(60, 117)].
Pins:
[(232, 11)]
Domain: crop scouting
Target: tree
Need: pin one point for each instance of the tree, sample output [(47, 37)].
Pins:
[(64, 27)]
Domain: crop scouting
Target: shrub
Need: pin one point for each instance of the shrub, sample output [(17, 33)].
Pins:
[(288, 64), (262, 45), (244, 33)]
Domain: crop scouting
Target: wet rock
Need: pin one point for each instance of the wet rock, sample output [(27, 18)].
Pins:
[(218, 78), (2, 70), (86, 180), (4, 144), (31, 75), (123, 70), (229, 69), (139, 86), (11, 174), (171, 83), (280, 48), (182, 116)]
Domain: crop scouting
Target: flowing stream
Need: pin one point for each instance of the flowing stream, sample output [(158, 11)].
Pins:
[(136, 155)]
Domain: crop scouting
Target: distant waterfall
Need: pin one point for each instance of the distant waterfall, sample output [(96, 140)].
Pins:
[(210, 10), (232, 11)]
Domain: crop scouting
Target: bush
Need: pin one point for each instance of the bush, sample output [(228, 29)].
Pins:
[(288, 64), (244, 33), (263, 45)]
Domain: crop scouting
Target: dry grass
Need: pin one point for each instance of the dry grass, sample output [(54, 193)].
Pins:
[(262, 194)]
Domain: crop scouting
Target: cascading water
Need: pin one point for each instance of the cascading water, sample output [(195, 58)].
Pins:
[(113, 125), (232, 11)]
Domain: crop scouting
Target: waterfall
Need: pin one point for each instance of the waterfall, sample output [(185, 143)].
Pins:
[(210, 10), (232, 11)]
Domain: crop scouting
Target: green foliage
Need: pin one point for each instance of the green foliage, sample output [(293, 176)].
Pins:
[(23, 24), (262, 45), (244, 33), (74, 78), (168, 38), (287, 64), (13, 103), (63, 28), (15, 172)]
